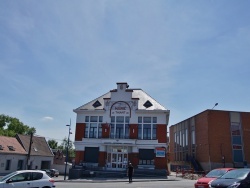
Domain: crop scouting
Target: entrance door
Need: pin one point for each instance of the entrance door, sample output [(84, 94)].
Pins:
[(117, 159)]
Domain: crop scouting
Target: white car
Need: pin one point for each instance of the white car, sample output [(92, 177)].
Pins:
[(27, 179)]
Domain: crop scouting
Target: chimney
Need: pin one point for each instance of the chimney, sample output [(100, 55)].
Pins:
[(122, 86)]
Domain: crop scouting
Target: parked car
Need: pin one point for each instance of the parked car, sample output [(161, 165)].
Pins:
[(27, 178), (209, 177), (51, 172), (47, 171), (54, 172), (238, 178)]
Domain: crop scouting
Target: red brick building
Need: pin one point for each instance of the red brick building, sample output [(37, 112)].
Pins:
[(211, 139), (120, 126)]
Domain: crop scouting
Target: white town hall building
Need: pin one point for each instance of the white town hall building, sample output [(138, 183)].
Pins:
[(123, 125)]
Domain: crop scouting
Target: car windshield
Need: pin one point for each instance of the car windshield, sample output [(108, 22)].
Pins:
[(216, 173), (7, 176), (236, 174)]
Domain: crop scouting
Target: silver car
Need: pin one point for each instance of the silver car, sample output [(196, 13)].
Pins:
[(27, 179)]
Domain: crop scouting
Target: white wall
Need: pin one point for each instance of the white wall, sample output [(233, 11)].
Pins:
[(13, 164), (37, 161)]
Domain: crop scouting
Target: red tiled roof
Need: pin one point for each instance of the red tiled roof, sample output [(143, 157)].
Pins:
[(7, 143)]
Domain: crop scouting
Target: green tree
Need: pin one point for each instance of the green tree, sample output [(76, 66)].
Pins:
[(53, 144), (63, 147), (10, 126)]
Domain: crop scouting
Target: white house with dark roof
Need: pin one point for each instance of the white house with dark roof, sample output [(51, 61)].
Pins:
[(40, 154), (12, 155), (120, 126)]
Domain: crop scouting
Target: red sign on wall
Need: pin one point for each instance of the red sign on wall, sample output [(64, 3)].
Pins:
[(160, 152)]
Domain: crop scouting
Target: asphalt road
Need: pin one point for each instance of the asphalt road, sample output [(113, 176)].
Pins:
[(145, 184)]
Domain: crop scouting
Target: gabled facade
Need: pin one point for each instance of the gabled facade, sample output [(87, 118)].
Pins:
[(120, 126), (211, 139), (12, 155), (59, 157), (39, 154)]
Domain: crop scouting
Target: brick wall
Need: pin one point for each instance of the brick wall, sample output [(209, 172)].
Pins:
[(79, 157), (160, 162), (171, 144), (102, 159), (134, 159), (201, 137), (80, 131), (245, 120), (105, 130), (161, 133), (213, 137), (220, 136), (133, 131)]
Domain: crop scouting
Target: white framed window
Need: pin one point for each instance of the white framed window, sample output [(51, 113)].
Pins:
[(186, 135), (183, 139), (193, 137), (147, 128), (93, 127), (119, 127)]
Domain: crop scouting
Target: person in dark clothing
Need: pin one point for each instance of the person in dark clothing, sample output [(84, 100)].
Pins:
[(130, 172)]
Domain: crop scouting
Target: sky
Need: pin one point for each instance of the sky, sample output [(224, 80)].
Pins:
[(58, 55)]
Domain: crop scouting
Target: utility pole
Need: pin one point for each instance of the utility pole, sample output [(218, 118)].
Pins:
[(67, 151), (28, 157)]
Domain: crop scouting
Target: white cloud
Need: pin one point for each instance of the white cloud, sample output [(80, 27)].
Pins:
[(47, 118)]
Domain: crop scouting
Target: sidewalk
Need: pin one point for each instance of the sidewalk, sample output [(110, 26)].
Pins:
[(172, 177)]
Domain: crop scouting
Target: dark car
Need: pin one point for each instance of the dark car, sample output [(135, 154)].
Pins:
[(54, 172), (51, 172), (238, 178), (211, 176)]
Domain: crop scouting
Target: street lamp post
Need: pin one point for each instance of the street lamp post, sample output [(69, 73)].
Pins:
[(67, 151), (216, 104)]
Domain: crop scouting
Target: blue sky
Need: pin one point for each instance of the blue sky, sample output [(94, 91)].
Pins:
[(58, 55)]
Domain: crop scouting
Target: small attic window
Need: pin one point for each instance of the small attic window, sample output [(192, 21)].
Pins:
[(35, 149), (11, 148), (97, 104), (147, 104), (1, 147)]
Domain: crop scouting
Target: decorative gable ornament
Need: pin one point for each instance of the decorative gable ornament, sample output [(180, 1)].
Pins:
[(147, 104), (97, 104)]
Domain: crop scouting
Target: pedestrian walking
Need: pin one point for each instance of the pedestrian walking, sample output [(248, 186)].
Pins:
[(130, 172)]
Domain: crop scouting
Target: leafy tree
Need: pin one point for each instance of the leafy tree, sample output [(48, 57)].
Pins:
[(10, 126), (63, 147), (31, 130), (53, 144)]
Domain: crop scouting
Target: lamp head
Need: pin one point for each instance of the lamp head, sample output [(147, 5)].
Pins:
[(215, 105)]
